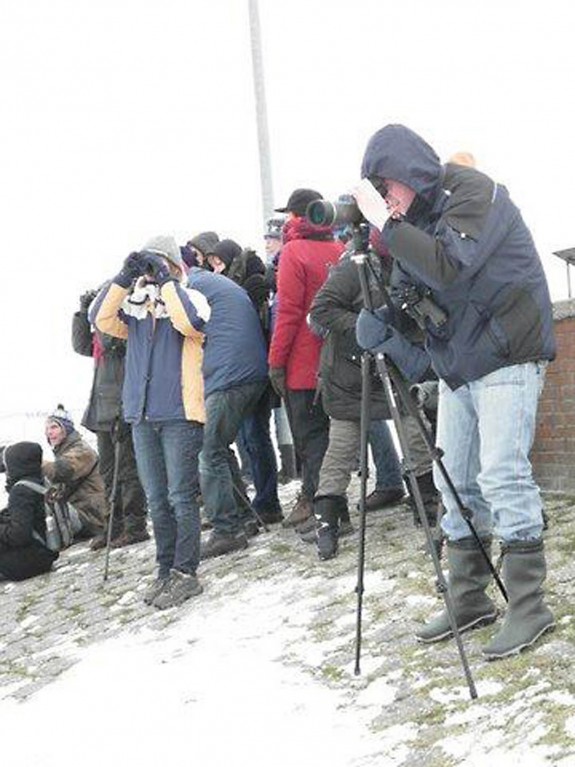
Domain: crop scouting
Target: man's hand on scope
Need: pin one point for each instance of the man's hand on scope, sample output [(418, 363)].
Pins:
[(371, 203)]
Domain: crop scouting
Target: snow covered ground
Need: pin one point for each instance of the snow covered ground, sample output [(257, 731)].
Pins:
[(259, 670)]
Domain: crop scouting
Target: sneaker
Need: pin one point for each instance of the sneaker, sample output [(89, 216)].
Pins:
[(179, 587), (220, 543), (381, 499), (302, 510), (127, 539), (154, 589)]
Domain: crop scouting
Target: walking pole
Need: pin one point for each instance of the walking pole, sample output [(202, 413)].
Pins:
[(245, 502), (442, 589), (363, 466), (113, 492)]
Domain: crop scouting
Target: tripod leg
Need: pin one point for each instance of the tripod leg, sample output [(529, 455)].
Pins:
[(441, 583), (363, 467)]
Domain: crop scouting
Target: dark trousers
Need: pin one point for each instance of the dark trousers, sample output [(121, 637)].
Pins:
[(255, 430), (310, 430), (130, 502)]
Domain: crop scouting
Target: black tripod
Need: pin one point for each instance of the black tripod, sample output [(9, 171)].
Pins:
[(393, 383)]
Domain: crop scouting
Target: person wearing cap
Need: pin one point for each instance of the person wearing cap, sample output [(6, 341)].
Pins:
[(458, 239), (23, 522), (163, 400), (307, 253), (76, 468)]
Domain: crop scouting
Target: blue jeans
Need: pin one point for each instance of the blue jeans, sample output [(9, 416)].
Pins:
[(225, 411), (255, 430), (385, 458), (486, 430), (167, 458)]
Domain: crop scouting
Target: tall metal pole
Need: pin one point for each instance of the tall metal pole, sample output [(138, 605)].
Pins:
[(261, 112)]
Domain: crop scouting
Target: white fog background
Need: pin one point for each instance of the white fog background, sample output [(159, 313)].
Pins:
[(122, 120)]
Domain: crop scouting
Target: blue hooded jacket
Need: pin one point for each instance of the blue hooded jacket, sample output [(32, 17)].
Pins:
[(465, 242)]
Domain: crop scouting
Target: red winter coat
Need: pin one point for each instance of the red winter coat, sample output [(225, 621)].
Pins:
[(303, 268)]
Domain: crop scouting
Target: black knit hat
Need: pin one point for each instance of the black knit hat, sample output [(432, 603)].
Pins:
[(298, 201), (226, 251)]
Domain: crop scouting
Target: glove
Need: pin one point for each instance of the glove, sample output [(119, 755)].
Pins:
[(371, 203), (86, 299), (412, 361), (373, 328), (156, 267), (130, 271), (278, 381)]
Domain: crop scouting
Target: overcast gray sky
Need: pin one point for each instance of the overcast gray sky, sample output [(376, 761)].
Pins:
[(123, 119)]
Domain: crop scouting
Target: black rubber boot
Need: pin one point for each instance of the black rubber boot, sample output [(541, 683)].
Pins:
[(327, 511), (527, 616), (469, 576)]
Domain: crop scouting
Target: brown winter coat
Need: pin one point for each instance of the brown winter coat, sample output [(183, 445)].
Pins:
[(76, 469)]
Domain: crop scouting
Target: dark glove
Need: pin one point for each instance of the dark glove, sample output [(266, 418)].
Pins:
[(131, 270), (373, 328), (412, 361), (86, 299), (155, 266), (278, 381)]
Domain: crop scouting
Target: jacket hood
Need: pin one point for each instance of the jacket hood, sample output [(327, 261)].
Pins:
[(23, 459), (397, 152)]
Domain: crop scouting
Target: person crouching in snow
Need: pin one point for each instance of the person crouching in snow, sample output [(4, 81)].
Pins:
[(75, 469), (23, 521)]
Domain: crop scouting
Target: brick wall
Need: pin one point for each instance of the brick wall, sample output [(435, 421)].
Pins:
[(553, 453)]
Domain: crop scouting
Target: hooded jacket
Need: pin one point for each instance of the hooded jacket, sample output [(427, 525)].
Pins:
[(464, 241), (22, 555), (162, 380), (306, 258)]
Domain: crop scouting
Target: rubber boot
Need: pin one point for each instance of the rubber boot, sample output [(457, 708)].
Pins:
[(327, 510), (469, 576), (288, 469), (527, 616)]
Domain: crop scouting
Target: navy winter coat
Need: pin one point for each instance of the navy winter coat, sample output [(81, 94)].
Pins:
[(465, 240)]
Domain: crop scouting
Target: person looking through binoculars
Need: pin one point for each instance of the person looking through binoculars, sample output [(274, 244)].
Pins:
[(459, 241)]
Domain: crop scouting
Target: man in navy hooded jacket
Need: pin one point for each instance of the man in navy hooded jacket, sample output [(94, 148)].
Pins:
[(456, 235)]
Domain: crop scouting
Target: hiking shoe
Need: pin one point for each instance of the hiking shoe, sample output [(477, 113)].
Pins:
[(251, 528), (99, 542), (381, 499), (302, 510), (179, 587), (154, 589), (271, 516), (127, 539), (220, 543)]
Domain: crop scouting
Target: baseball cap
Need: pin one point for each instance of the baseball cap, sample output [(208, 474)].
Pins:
[(298, 201)]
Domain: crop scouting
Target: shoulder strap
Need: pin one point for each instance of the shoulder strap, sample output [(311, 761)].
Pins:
[(38, 488)]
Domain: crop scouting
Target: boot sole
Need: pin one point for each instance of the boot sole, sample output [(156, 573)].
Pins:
[(517, 650), (477, 623)]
